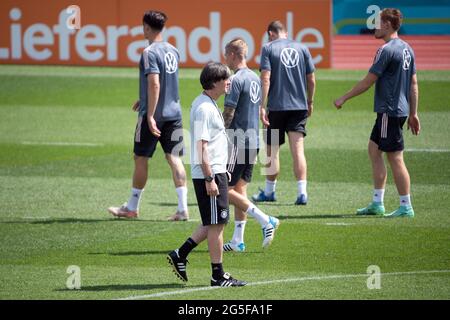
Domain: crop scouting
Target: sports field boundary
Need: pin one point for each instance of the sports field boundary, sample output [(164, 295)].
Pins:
[(259, 283)]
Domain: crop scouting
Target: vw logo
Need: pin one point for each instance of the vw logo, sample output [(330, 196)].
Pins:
[(406, 59), (171, 62), (255, 91), (289, 57)]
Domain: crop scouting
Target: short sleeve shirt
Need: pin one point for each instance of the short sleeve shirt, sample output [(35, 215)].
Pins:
[(206, 124), (288, 62), (160, 58), (245, 97), (394, 64)]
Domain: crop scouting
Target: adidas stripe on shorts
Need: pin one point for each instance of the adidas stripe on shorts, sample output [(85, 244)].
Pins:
[(213, 210), (387, 132)]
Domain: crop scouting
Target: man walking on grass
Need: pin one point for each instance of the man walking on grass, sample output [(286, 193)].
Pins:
[(396, 101), (288, 85), (159, 117), (209, 155), (241, 116)]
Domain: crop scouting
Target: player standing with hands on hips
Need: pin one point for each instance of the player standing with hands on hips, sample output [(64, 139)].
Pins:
[(396, 99)]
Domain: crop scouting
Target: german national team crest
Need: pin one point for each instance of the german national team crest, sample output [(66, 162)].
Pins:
[(255, 91), (289, 57), (406, 59), (171, 62), (224, 213)]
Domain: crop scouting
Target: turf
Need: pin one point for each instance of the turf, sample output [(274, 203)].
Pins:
[(66, 155)]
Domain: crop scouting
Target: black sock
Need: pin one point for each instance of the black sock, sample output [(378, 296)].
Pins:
[(186, 248), (217, 270)]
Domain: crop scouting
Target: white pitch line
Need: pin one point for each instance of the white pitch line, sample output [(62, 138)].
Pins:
[(427, 150), (64, 144), (330, 277)]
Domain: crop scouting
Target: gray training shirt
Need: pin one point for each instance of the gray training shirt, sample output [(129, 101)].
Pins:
[(394, 64), (160, 58), (245, 97), (289, 62)]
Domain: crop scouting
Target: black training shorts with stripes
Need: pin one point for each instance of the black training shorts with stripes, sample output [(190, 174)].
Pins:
[(213, 210), (171, 138), (387, 133), (240, 164), (282, 122)]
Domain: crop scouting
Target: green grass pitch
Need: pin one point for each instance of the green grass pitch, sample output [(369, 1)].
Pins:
[(66, 155)]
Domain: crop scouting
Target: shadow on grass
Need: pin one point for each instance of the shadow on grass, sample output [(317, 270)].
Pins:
[(78, 220), (128, 287), (142, 253), (54, 220), (69, 220), (170, 204), (159, 252), (122, 220), (324, 216)]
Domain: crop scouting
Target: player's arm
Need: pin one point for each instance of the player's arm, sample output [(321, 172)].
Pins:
[(228, 116), (360, 87), (413, 119), (265, 85), (311, 89), (153, 95), (202, 149)]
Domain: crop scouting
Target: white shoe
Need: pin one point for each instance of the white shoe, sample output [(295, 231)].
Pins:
[(179, 216), (269, 231), (123, 212)]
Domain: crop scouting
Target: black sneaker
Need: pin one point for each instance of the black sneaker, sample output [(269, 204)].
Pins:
[(178, 264), (227, 281)]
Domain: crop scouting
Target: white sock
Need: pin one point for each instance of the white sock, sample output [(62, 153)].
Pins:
[(135, 199), (405, 200), (378, 195), (182, 199), (238, 235), (260, 216), (301, 187), (270, 187)]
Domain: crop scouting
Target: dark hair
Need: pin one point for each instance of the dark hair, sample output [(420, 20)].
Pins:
[(276, 26), (213, 72), (394, 16), (155, 19)]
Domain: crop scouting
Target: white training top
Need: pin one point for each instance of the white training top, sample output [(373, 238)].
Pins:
[(207, 124)]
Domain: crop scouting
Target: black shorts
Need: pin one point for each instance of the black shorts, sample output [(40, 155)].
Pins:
[(240, 164), (387, 133), (285, 121), (213, 210), (145, 142)]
